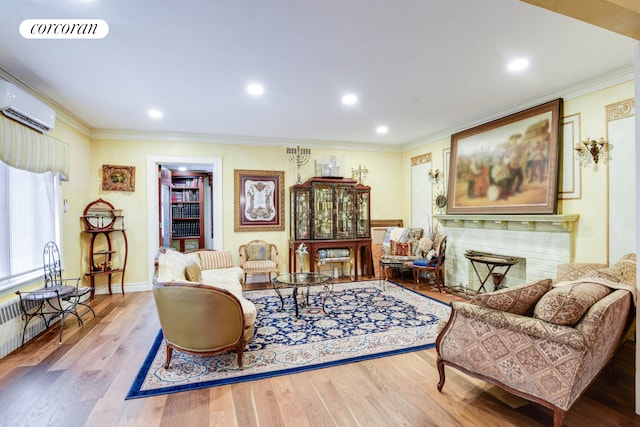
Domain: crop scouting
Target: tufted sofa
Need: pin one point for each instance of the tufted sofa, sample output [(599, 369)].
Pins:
[(200, 303), (545, 341)]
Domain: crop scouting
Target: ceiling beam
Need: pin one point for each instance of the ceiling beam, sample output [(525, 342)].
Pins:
[(619, 16)]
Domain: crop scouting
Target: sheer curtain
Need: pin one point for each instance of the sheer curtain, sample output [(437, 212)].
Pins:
[(28, 221)]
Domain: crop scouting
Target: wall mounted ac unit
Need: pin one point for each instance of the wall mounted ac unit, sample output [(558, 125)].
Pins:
[(25, 108)]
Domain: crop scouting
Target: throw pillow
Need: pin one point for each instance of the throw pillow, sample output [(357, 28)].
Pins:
[(566, 304), (400, 248), (516, 299), (424, 245), (623, 271), (192, 272), (257, 252), (215, 259)]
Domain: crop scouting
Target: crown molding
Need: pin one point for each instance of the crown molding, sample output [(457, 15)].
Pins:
[(134, 135), (575, 91)]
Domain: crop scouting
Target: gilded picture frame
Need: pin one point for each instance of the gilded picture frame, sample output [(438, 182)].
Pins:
[(258, 200), (118, 178), (507, 166)]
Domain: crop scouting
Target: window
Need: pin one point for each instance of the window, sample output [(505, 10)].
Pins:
[(29, 219)]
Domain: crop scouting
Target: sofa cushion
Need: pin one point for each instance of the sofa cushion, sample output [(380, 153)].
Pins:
[(401, 248), (257, 252), (516, 299), (573, 271), (214, 275), (171, 266), (623, 271), (425, 244), (566, 304), (262, 265), (193, 272), (249, 310), (215, 259)]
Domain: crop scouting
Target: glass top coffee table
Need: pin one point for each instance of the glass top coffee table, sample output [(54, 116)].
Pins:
[(300, 280)]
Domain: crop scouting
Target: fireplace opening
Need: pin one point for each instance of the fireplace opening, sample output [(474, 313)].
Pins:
[(516, 275)]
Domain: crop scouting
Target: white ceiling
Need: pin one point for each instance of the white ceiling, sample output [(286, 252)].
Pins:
[(424, 68)]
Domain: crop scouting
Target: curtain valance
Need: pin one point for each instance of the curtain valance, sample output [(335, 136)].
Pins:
[(24, 148)]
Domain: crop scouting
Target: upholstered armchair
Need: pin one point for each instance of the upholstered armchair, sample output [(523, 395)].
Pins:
[(543, 341), (187, 313), (199, 318), (259, 257)]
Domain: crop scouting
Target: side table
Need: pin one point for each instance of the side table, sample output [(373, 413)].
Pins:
[(491, 261), (298, 280)]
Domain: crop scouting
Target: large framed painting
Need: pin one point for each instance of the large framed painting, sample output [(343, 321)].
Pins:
[(507, 166), (259, 200)]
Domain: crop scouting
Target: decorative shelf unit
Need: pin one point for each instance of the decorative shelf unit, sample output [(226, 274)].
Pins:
[(102, 219), (331, 213), (187, 211)]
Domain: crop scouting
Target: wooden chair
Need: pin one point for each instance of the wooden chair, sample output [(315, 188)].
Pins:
[(259, 257), (434, 265)]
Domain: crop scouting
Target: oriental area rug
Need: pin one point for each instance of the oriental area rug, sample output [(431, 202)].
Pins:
[(363, 320)]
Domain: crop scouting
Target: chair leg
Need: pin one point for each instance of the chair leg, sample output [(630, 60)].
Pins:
[(169, 354), (61, 325), (240, 357), (558, 417), (440, 364)]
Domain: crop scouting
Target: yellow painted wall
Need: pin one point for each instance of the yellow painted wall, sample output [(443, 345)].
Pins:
[(385, 178), (591, 244)]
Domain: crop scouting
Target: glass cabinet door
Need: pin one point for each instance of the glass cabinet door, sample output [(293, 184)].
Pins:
[(345, 227), (362, 211), (300, 215), (323, 208)]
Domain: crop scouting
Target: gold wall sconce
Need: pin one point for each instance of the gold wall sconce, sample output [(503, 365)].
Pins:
[(590, 151), (434, 176)]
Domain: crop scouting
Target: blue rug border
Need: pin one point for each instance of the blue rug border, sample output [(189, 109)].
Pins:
[(135, 392)]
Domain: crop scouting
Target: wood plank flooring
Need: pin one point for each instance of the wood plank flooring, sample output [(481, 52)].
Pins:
[(83, 382)]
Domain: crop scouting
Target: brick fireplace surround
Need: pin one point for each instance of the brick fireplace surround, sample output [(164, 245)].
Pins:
[(541, 241)]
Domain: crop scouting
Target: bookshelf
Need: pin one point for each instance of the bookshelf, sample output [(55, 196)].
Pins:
[(187, 211)]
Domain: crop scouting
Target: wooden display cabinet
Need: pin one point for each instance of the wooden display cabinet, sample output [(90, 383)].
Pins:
[(330, 209), (330, 213)]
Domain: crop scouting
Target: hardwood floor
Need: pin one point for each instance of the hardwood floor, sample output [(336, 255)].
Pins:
[(84, 380)]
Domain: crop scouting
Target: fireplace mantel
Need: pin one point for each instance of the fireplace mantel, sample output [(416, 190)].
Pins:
[(542, 241), (549, 223)]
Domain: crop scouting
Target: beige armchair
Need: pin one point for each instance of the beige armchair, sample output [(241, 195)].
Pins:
[(541, 341), (198, 318), (259, 257)]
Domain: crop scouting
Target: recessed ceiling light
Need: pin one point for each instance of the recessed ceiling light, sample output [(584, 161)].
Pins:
[(156, 114), (255, 89), (518, 64), (349, 99), (182, 169), (382, 129)]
